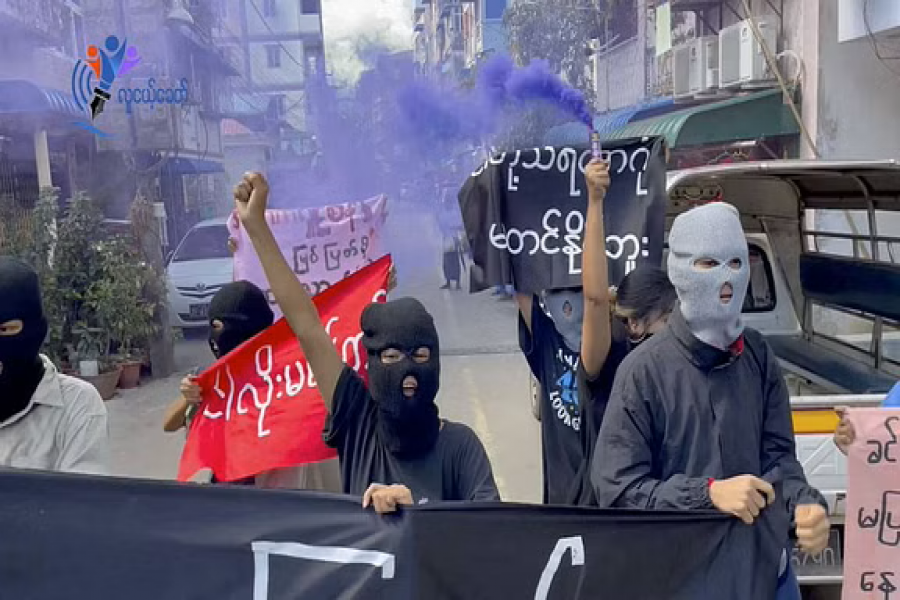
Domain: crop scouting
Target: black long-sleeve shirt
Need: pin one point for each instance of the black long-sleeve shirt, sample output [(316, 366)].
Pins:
[(682, 412)]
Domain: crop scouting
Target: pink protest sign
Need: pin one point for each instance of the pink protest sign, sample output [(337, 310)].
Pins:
[(323, 245), (872, 551)]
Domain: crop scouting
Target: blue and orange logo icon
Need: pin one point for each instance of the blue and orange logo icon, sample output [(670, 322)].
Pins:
[(93, 78)]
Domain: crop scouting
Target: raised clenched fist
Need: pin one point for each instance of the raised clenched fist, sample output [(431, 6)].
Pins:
[(251, 197), (597, 176)]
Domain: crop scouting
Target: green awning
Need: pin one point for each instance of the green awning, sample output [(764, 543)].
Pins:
[(750, 117)]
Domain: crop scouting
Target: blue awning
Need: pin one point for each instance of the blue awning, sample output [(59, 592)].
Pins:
[(18, 96), (577, 133), (193, 166)]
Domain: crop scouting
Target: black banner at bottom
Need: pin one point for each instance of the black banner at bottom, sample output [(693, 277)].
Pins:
[(68, 536)]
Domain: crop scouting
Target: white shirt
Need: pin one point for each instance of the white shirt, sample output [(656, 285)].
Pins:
[(64, 428)]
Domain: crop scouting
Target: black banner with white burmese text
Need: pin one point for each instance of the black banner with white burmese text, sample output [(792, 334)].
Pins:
[(524, 214), (68, 536)]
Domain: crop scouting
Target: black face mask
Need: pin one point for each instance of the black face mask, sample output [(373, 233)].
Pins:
[(244, 312), (409, 426), (21, 367), (633, 343)]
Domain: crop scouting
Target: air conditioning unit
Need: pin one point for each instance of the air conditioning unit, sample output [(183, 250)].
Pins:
[(695, 67), (681, 70), (741, 57), (705, 64)]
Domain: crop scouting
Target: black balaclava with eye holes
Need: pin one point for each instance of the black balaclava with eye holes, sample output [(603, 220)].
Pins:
[(409, 427), (244, 312), (21, 367)]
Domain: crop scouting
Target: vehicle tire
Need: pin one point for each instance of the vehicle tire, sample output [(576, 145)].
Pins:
[(535, 397)]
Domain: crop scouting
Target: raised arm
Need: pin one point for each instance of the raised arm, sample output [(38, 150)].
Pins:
[(251, 199), (596, 336)]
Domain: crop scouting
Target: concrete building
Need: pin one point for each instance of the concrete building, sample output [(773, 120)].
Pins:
[(822, 50), (440, 36), (177, 146), (451, 36), (40, 40), (279, 47), (492, 35)]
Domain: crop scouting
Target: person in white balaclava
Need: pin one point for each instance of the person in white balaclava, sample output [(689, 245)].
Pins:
[(699, 416)]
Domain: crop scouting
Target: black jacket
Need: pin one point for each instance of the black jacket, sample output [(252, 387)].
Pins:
[(682, 412)]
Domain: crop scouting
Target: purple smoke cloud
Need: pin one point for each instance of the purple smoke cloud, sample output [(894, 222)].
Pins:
[(440, 114), (537, 82)]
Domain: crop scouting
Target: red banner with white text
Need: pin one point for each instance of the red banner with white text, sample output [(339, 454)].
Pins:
[(261, 409)]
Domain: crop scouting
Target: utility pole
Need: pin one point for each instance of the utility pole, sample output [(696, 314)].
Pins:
[(146, 230)]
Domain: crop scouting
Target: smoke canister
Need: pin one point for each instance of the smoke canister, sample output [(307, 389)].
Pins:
[(595, 144)]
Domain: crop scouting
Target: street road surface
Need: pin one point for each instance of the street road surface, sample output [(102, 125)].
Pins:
[(484, 378)]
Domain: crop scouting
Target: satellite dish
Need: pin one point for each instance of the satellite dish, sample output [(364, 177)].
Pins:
[(179, 14)]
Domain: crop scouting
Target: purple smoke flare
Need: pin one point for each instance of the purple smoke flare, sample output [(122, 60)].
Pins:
[(537, 82)]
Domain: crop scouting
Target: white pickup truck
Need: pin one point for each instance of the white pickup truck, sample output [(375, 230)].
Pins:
[(827, 300)]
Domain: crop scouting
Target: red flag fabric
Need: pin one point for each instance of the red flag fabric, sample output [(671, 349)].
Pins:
[(261, 409)]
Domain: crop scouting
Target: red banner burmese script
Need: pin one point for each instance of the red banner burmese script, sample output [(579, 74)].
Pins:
[(323, 245), (261, 409)]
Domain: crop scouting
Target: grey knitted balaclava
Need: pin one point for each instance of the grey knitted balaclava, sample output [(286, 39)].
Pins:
[(712, 231), (566, 308)]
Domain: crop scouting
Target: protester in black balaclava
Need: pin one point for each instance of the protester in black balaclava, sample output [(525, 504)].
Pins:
[(394, 448), (23, 328), (48, 421), (237, 313), (404, 374)]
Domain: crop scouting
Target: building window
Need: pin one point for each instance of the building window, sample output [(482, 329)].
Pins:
[(493, 9), (273, 56), (277, 105), (311, 7), (270, 8)]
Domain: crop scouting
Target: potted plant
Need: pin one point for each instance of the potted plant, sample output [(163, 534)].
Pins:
[(95, 366), (120, 306)]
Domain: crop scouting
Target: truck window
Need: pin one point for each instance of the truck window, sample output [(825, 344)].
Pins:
[(761, 291)]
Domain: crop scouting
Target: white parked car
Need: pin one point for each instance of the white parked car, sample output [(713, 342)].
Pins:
[(197, 269)]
